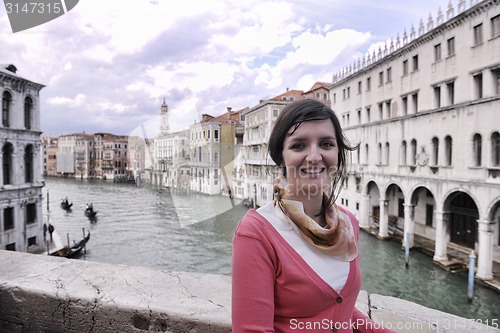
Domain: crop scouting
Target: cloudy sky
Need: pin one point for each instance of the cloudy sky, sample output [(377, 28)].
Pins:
[(108, 65)]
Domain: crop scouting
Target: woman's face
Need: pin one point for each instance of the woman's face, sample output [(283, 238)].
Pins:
[(310, 156)]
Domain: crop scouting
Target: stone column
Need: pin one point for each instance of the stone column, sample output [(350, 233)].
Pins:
[(383, 222), (440, 250), (364, 214), (409, 224), (485, 252)]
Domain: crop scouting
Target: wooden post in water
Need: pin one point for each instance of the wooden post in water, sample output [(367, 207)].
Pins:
[(472, 264), (47, 200), (84, 245), (407, 250)]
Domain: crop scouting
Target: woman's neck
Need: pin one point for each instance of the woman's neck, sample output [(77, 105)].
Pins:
[(312, 206)]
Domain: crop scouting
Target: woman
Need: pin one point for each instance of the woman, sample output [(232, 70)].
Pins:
[(295, 260)]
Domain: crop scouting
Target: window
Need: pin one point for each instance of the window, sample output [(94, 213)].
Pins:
[(476, 149), (275, 112), (401, 208), (368, 84), (359, 87), (495, 149), (415, 63), (451, 46), (495, 26), (414, 99), (379, 160), (380, 111), (368, 115), (429, 212), (448, 146), (496, 81), (435, 151), (405, 67), (389, 74), (366, 153), (437, 96), (6, 99), (386, 153), (380, 78), (405, 105), (8, 218), (413, 152), (348, 92), (7, 152), (30, 213), (403, 153), (216, 135), (388, 108), (478, 85), (437, 52), (28, 164), (478, 34), (450, 87), (28, 107)]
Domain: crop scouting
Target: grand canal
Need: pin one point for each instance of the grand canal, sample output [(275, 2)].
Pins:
[(148, 226)]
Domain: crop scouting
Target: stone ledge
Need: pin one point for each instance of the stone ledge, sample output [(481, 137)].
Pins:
[(40, 293)]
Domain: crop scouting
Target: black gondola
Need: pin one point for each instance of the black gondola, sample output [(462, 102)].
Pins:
[(65, 204), (70, 252), (89, 211)]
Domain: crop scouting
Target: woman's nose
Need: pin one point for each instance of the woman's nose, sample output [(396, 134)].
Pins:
[(313, 154)]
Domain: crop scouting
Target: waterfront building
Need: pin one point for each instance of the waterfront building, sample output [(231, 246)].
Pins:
[(21, 180), (49, 155), (320, 91), (136, 157), (212, 142), (259, 167), (424, 111), (74, 156), (171, 159), (111, 161)]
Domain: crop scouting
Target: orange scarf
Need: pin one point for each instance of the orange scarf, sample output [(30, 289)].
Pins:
[(335, 239)]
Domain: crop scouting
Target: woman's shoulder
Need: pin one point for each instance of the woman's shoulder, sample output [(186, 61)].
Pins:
[(351, 216), (251, 223)]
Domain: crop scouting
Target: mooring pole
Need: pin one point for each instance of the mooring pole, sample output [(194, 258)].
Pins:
[(472, 264), (407, 250)]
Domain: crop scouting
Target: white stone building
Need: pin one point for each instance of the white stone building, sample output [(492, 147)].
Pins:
[(424, 111), (21, 218)]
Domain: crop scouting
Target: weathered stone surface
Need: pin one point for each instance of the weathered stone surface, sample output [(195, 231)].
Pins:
[(39, 293)]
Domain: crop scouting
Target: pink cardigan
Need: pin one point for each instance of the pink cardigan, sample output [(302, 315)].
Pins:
[(275, 290)]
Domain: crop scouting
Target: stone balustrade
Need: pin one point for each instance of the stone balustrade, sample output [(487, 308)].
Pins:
[(48, 294)]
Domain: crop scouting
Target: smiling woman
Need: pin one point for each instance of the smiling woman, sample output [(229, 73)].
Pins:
[(296, 260)]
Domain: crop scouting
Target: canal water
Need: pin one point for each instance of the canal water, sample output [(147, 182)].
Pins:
[(154, 227)]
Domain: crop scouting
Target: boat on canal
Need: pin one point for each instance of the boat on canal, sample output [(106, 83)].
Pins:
[(72, 251), (65, 204), (89, 211)]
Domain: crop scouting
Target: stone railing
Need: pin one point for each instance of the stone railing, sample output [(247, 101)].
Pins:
[(48, 294)]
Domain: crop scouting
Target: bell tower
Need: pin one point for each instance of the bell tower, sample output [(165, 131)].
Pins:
[(164, 128)]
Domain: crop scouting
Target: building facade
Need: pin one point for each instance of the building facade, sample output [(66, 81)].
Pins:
[(21, 180), (423, 112)]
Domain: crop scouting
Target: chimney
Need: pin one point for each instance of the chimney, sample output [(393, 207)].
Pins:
[(229, 113)]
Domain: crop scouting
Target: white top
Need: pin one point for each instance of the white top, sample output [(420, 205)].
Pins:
[(332, 271)]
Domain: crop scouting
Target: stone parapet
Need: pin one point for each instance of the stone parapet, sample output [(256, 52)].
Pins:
[(39, 293)]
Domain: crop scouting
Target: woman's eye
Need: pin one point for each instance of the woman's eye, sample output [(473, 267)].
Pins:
[(297, 146), (327, 144)]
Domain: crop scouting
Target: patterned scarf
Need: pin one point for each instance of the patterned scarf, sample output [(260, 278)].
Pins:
[(335, 239)]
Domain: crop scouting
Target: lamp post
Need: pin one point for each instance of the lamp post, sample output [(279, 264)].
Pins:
[(254, 196)]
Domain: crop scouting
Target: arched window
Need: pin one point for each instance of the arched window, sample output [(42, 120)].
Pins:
[(6, 100), (28, 163), (413, 152), (404, 151), (366, 154), (28, 112), (7, 152), (448, 147), (476, 149), (495, 149), (435, 151), (379, 161), (386, 162)]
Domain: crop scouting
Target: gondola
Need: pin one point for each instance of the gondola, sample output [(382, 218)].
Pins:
[(65, 204), (89, 211), (71, 252)]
